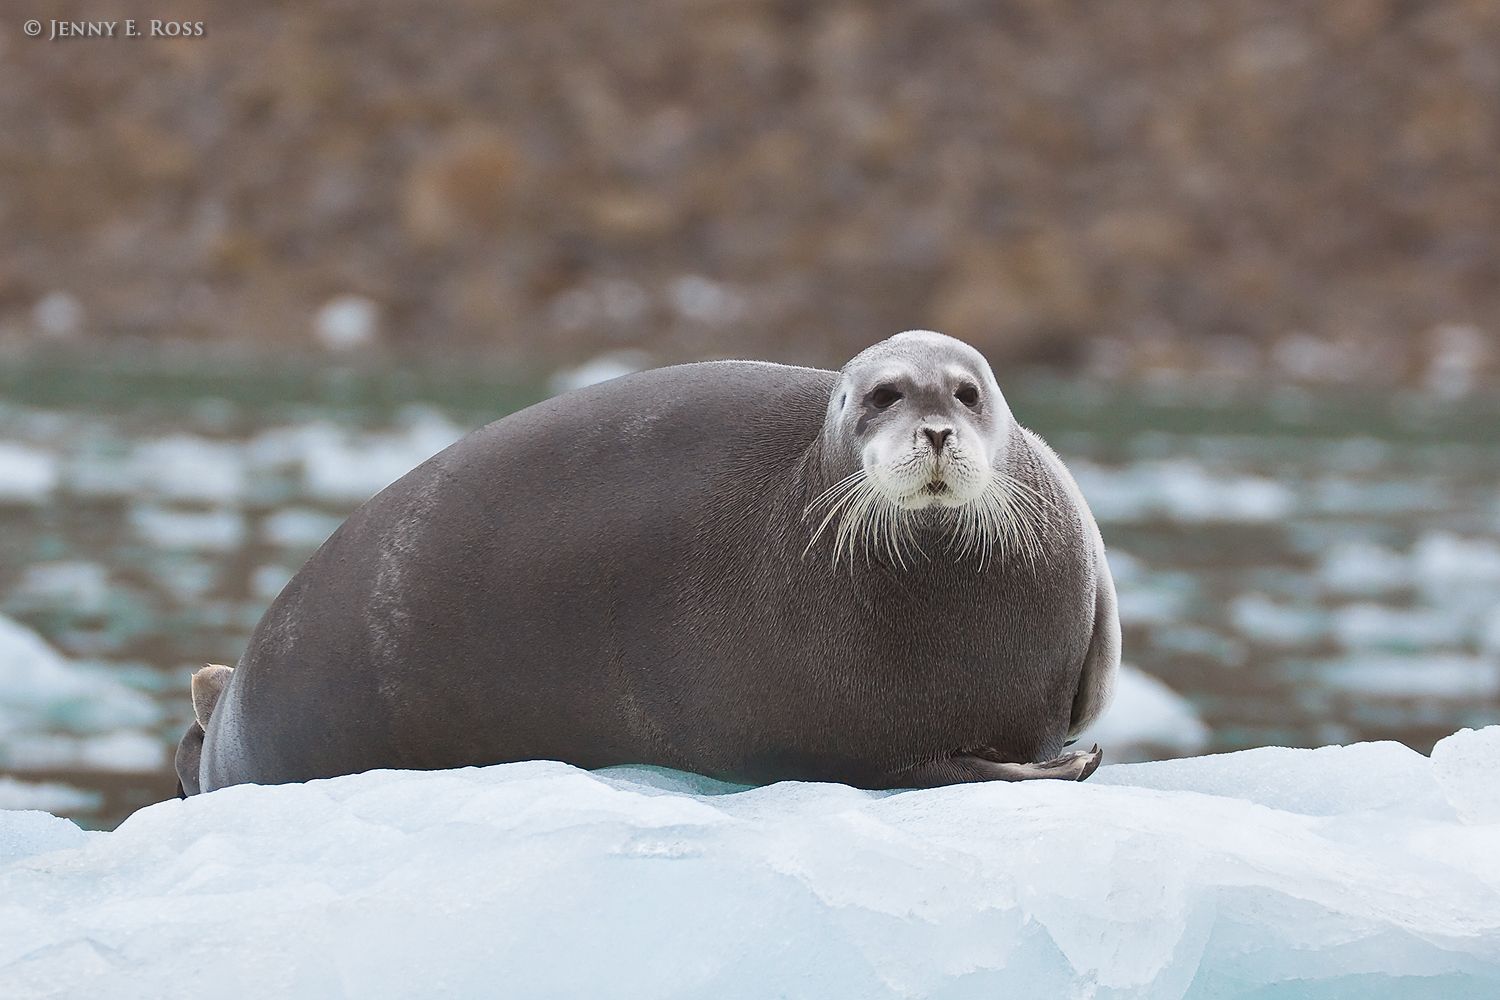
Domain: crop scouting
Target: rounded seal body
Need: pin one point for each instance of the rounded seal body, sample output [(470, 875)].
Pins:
[(641, 572)]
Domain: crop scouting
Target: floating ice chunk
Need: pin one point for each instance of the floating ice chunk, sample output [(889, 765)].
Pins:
[(615, 301), (48, 795), (1179, 489), (1345, 495), (27, 475), (41, 690), (1364, 568), (1365, 626), (614, 364), (219, 530), (267, 581), (98, 472), (1146, 716), (286, 447), (1448, 561), (1338, 872), (185, 467), (1125, 567), (347, 322), (1449, 675), (126, 751), (187, 578), (298, 528), (82, 587), (1465, 765), (348, 469), (1207, 643), (58, 314), (704, 300), (348, 473), (1274, 623), (343, 467), (1151, 603)]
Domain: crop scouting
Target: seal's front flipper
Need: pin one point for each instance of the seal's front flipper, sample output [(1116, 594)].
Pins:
[(965, 767), (208, 685)]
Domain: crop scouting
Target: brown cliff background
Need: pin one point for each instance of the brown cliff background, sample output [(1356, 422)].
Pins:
[(1311, 189)]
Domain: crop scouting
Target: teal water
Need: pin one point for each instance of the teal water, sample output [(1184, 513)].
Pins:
[(1304, 567)]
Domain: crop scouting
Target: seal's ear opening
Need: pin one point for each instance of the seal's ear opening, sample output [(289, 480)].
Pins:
[(208, 685)]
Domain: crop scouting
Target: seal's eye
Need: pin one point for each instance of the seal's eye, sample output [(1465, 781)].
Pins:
[(967, 395), (883, 397)]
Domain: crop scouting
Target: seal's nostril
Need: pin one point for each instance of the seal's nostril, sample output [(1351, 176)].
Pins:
[(938, 438)]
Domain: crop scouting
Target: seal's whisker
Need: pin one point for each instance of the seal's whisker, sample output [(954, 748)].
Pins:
[(1020, 522), (900, 535), (1000, 522), (851, 526), (1006, 519), (851, 522), (1030, 512), (869, 513), (838, 497), (844, 486)]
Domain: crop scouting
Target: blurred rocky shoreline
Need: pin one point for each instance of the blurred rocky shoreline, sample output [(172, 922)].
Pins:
[(1298, 191)]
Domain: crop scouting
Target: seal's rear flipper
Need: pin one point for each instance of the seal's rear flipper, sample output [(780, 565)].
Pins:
[(985, 765), (208, 684), (189, 755)]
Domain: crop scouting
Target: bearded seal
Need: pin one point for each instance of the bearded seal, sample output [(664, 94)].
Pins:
[(746, 570)]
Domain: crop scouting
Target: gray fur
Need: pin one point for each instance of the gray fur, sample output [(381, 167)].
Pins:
[(624, 574)]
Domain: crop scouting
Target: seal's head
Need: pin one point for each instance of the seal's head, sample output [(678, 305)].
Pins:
[(916, 423), (924, 417)]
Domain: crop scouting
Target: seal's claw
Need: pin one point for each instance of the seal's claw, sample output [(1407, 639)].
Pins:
[(1075, 766), (986, 764), (1095, 758)]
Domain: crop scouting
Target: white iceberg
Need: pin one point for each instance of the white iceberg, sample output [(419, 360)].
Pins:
[(125, 750), (55, 713), (1179, 490), (189, 468), (49, 795), (1446, 562), (615, 364), (1145, 716), (1365, 871), (82, 587), (217, 530), (340, 467), (40, 687), (27, 475), (347, 322), (298, 528)]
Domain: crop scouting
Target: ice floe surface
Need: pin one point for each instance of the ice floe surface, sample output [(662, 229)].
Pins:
[(1367, 871)]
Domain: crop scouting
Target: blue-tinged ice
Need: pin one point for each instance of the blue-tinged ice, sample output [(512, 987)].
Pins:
[(1369, 871)]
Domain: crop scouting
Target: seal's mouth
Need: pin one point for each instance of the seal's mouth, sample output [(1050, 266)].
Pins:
[(936, 488)]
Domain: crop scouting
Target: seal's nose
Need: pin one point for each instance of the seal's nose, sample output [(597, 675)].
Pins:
[(937, 437)]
